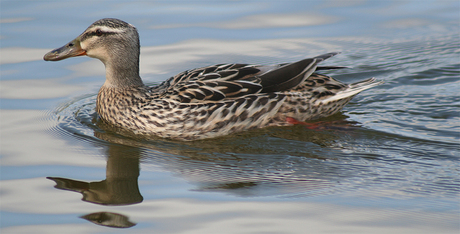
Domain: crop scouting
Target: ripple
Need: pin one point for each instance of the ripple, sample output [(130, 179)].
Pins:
[(75, 118)]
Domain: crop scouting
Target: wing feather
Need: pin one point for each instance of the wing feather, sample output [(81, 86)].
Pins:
[(232, 81)]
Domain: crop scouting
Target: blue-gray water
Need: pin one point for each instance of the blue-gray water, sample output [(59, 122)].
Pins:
[(394, 168)]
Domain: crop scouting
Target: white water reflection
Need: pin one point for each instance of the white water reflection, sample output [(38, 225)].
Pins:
[(277, 20), (180, 215), (262, 21), (26, 141), (36, 89), (20, 55), (14, 20)]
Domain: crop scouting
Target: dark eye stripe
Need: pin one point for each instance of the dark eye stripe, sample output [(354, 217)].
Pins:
[(95, 33)]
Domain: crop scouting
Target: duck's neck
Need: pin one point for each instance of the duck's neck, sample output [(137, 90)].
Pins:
[(122, 70)]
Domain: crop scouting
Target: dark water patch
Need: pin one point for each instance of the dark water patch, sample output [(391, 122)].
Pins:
[(433, 76)]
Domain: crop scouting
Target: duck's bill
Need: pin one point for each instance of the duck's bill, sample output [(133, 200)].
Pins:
[(71, 49)]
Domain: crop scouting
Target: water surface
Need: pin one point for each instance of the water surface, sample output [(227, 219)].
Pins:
[(391, 164)]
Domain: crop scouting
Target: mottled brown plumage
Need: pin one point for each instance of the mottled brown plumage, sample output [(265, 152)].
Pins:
[(204, 102)]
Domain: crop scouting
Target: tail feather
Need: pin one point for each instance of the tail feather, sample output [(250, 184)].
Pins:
[(330, 67), (290, 75), (354, 89), (326, 56)]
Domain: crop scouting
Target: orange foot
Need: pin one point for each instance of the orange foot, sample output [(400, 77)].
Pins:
[(321, 125)]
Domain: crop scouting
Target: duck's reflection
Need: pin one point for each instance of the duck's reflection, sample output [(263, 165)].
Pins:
[(109, 219), (248, 164), (120, 186)]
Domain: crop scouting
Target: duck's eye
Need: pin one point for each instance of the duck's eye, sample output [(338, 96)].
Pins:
[(99, 32)]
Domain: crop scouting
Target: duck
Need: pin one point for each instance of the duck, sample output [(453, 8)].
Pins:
[(205, 102)]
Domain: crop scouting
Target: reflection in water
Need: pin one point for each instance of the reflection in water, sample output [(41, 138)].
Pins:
[(231, 164), (252, 163), (109, 219), (120, 186)]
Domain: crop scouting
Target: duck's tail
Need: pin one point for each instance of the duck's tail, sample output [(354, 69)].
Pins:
[(353, 89), (288, 76)]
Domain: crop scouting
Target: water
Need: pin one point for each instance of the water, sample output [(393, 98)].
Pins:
[(393, 168)]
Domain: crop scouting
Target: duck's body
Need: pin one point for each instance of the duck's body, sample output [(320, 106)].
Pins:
[(205, 102)]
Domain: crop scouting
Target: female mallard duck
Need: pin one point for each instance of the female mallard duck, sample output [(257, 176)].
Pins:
[(204, 102)]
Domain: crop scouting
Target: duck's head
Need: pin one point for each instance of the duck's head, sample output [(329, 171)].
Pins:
[(113, 41), (101, 40)]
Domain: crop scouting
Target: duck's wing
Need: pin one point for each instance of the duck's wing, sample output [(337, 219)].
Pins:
[(222, 81), (212, 83)]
